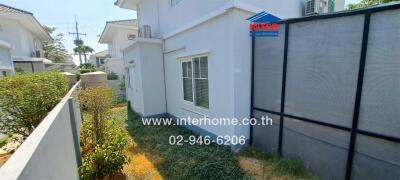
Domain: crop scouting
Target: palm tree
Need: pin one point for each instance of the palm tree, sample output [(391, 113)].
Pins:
[(83, 49)]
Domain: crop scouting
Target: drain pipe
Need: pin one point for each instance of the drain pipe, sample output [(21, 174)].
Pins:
[(165, 82)]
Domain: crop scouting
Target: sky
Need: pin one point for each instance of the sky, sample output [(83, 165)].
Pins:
[(90, 14)]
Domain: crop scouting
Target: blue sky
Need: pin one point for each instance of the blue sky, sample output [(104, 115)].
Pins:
[(91, 15)]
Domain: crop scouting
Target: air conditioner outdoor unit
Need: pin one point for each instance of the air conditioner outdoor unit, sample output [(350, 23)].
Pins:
[(316, 6), (145, 31)]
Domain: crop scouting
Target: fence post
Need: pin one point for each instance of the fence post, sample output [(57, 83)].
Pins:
[(75, 132), (285, 55), (356, 112), (252, 88)]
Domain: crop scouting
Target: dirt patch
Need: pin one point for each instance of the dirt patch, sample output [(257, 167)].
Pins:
[(4, 158), (259, 169)]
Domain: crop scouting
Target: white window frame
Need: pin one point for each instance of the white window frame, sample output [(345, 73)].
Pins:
[(191, 59)]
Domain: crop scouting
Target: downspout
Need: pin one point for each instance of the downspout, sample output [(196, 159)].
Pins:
[(165, 82)]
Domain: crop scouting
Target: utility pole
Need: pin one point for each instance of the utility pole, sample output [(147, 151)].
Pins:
[(78, 41)]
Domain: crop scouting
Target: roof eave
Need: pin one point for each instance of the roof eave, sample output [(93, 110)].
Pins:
[(104, 38), (127, 4)]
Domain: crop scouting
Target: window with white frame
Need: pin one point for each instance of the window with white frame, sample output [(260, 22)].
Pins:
[(195, 81), (175, 2)]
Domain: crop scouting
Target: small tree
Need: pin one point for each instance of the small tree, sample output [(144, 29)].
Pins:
[(55, 49), (97, 101), (26, 99), (103, 140)]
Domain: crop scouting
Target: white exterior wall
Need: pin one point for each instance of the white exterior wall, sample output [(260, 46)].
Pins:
[(134, 90), (172, 18), (116, 66), (119, 41), (227, 41), (207, 36), (226, 37), (146, 90), (22, 40), (152, 80)]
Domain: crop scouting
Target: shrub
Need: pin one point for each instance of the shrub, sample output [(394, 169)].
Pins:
[(103, 140), (96, 101), (106, 157), (122, 86), (87, 66), (112, 76), (26, 99), (83, 71)]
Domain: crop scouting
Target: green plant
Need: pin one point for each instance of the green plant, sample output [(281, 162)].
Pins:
[(103, 140), (25, 100), (87, 66), (106, 157), (112, 76), (122, 85), (280, 166), (4, 140), (367, 3), (83, 71), (97, 101), (83, 50)]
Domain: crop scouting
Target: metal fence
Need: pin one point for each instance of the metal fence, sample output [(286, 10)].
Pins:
[(52, 150), (331, 84)]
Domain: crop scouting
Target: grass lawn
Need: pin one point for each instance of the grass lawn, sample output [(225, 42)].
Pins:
[(152, 157)]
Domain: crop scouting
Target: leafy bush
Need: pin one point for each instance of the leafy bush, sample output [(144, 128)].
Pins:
[(83, 71), (107, 157), (103, 139), (97, 101), (87, 66), (26, 99), (122, 85), (112, 76)]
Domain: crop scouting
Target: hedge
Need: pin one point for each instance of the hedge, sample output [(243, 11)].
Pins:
[(26, 99)]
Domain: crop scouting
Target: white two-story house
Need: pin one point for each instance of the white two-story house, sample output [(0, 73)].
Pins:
[(22, 31), (117, 35), (193, 58)]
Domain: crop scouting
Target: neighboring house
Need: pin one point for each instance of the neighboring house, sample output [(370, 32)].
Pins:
[(6, 65), (98, 59), (193, 58), (26, 35), (118, 35)]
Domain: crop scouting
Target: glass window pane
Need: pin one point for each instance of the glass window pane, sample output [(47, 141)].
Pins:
[(184, 69), (204, 67), (201, 92), (196, 66), (187, 89)]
